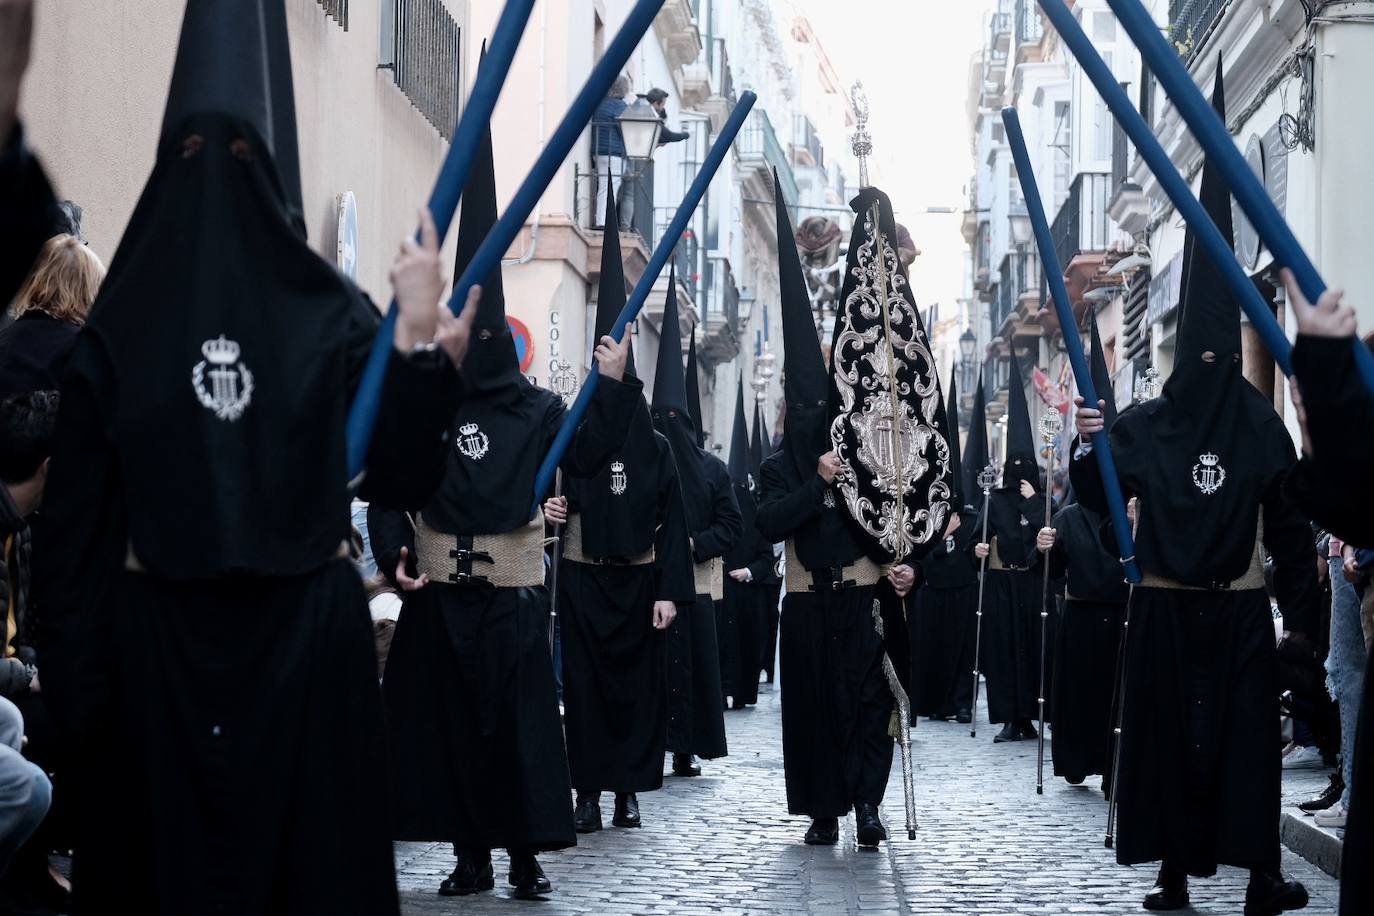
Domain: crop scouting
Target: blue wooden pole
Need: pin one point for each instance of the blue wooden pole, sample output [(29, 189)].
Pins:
[(1218, 250), (363, 415), (443, 203), (1214, 137), (1054, 273), (664, 250)]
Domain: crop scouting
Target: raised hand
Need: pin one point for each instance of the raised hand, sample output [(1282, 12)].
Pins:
[(1044, 539), (416, 283), (454, 332), (1087, 420), (611, 357), (1328, 318)]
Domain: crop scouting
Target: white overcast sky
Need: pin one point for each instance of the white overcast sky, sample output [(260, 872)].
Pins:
[(912, 56)]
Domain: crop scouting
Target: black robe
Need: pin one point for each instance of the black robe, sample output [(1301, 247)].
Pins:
[(242, 707), (836, 703), (1086, 650), (615, 683), (745, 608), (1012, 603), (1200, 782), (696, 705), (1340, 420), (943, 624), (476, 746)]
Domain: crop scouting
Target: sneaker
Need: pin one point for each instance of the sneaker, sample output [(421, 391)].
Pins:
[(1304, 758), (1335, 788), (1331, 817)]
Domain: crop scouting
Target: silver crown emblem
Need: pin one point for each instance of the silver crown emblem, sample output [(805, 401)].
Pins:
[(220, 351), (1208, 474), (619, 480), (222, 384), (472, 442)]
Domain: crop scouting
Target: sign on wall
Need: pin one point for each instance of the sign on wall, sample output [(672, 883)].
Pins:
[(346, 244)]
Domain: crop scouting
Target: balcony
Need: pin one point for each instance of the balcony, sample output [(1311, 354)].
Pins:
[(1029, 28), (1081, 231), (759, 154), (676, 28), (1016, 298), (1191, 23), (720, 318), (722, 99), (336, 10), (1128, 207)]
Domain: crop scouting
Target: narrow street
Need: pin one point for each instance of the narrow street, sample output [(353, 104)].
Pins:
[(723, 843)]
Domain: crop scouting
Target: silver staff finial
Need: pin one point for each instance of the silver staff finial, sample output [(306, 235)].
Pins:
[(1147, 387), (1051, 425), (862, 142), (987, 478)]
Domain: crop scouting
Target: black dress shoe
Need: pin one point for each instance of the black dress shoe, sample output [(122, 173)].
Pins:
[(1269, 894), (471, 875), (1335, 788), (587, 814), (824, 831), (1170, 891), (685, 765), (1026, 729), (1009, 732), (868, 826), (964, 717), (626, 810), (527, 877), (1074, 779)]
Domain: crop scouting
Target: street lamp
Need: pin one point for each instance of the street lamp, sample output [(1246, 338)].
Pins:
[(968, 342), (639, 128)]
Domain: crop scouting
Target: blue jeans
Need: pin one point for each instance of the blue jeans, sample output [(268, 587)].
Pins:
[(1345, 664), (25, 792)]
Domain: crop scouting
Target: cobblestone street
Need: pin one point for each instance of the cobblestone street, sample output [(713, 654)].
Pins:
[(723, 843)]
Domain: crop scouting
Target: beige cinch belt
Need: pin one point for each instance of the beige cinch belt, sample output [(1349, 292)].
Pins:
[(1251, 579), (995, 560), (572, 549), (512, 559), (710, 578), (801, 580)]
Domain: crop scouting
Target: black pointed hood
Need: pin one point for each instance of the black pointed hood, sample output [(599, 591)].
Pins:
[(223, 330), (222, 66), (670, 380), (805, 383), (1215, 444), (975, 451), (739, 444), (694, 389), (1209, 316), (669, 411), (610, 294), (1102, 379), (955, 458), (491, 365), (1021, 463), (285, 144)]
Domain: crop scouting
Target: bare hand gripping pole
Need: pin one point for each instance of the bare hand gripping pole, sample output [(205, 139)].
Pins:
[(362, 417), (1072, 343), (666, 244)]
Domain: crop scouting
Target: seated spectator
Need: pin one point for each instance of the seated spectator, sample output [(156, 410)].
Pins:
[(24, 791), (51, 308), (27, 426)]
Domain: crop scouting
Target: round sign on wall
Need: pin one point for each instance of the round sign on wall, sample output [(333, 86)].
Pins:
[(346, 245), (524, 342)]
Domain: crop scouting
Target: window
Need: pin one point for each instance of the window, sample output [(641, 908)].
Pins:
[(1102, 122), (420, 44), (1063, 153), (336, 10)]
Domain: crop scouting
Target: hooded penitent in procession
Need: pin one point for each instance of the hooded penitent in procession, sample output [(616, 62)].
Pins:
[(836, 704), (945, 604), (696, 719), (746, 565), (477, 754), (625, 555), (1012, 584), (1090, 627), (199, 483), (1199, 779)]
